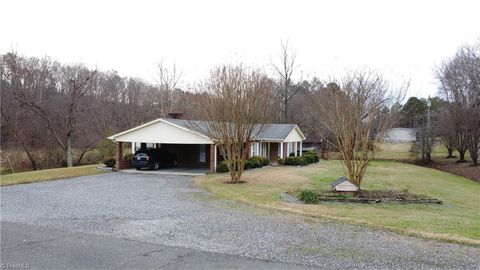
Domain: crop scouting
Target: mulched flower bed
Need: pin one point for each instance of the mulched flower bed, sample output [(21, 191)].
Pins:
[(368, 196)]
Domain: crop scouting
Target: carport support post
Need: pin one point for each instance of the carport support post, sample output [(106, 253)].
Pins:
[(118, 155), (213, 158)]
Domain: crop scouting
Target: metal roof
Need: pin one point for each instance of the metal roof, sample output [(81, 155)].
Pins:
[(341, 180)]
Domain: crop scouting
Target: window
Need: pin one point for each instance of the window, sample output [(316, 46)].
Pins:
[(203, 153)]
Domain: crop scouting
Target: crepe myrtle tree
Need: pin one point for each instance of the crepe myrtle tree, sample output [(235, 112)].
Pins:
[(237, 103), (358, 110)]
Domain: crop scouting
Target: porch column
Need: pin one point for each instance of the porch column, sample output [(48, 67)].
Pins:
[(281, 150), (213, 158), (300, 148), (133, 147), (295, 148), (118, 155), (269, 156)]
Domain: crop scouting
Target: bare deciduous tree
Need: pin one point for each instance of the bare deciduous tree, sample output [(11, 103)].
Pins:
[(358, 110), (237, 103), (287, 89), (460, 85), (164, 94), (27, 85), (447, 131)]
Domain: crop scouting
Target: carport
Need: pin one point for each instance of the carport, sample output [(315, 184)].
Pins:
[(192, 149)]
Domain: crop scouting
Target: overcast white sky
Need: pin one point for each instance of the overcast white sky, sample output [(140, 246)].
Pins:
[(403, 39)]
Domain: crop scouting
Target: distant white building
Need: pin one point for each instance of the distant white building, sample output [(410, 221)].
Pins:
[(401, 135), (343, 184)]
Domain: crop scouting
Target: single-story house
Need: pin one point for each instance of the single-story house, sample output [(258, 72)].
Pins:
[(194, 148)]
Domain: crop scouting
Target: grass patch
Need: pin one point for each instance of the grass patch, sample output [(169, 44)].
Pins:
[(46, 175), (458, 219)]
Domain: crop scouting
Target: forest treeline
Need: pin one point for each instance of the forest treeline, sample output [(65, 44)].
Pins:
[(54, 114)]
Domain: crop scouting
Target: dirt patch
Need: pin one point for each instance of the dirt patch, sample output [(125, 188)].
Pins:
[(462, 169)]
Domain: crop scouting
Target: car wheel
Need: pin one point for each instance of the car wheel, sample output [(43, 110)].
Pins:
[(156, 166), (138, 168)]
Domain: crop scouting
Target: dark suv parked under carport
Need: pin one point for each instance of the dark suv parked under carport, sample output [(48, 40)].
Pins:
[(154, 158)]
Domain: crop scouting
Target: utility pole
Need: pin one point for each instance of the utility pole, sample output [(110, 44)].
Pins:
[(429, 104), (429, 135)]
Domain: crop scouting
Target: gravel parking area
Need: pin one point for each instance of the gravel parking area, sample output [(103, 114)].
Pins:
[(169, 210)]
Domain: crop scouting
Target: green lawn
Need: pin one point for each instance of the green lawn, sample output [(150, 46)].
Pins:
[(46, 175), (401, 151), (458, 219)]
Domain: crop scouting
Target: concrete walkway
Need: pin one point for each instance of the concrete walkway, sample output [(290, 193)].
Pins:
[(170, 171)]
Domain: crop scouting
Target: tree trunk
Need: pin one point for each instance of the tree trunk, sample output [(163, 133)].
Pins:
[(450, 153), (69, 152), (462, 156), (428, 157), (85, 150), (32, 161)]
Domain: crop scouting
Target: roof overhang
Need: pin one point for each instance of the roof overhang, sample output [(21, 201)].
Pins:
[(161, 131)]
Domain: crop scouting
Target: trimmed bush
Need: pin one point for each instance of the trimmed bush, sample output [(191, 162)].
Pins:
[(128, 156), (222, 167), (309, 159), (256, 162), (294, 161), (312, 154), (248, 165), (280, 161), (263, 160), (292, 154), (109, 162), (308, 196)]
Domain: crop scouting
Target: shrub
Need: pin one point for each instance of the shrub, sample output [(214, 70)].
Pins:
[(248, 165), (256, 162), (109, 162), (222, 167), (292, 154), (265, 161), (308, 196), (294, 161), (280, 161), (311, 156), (128, 156), (309, 159)]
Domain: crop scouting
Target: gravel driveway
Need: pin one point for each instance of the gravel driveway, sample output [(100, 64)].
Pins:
[(168, 210)]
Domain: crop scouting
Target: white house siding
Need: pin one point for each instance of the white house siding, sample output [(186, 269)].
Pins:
[(161, 132), (400, 135), (346, 186), (294, 136)]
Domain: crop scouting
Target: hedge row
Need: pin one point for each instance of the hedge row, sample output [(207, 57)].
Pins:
[(307, 158), (254, 162)]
